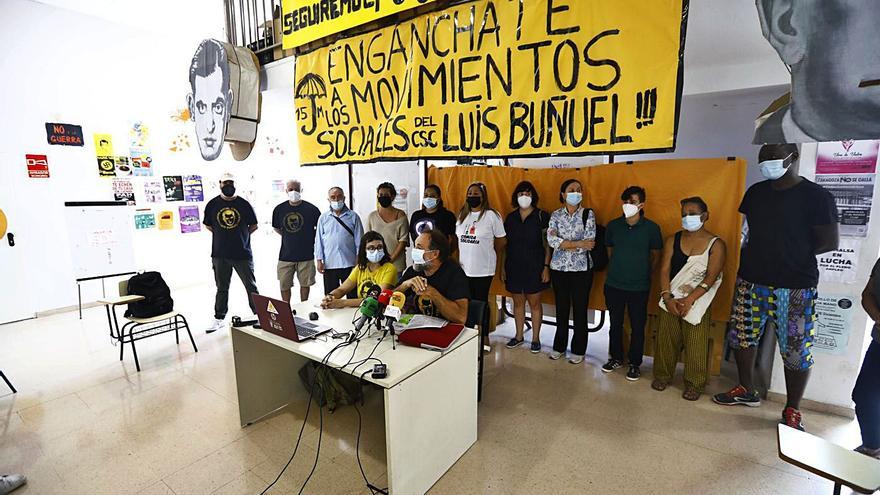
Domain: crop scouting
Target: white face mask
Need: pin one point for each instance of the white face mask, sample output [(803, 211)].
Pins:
[(337, 205), (630, 211), (524, 201), (375, 255), (430, 203), (775, 169), (574, 198), (419, 261), (692, 223), (294, 196)]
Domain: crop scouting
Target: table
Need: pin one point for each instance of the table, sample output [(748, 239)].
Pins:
[(430, 397)]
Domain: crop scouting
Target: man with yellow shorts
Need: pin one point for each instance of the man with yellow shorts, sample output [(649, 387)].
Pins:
[(296, 221)]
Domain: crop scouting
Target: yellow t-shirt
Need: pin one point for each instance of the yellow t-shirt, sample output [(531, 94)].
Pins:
[(385, 275)]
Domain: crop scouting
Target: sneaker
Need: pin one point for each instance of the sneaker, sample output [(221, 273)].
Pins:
[(792, 418), (9, 482), (535, 348), (737, 396), (217, 325), (611, 365), (634, 373), (514, 343), (575, 359), (875, 453), (556, 355)]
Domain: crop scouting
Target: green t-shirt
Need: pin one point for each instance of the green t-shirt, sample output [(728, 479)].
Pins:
[(630, 264)]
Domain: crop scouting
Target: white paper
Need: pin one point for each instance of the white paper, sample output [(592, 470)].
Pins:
[(833, 327), (840, 266)]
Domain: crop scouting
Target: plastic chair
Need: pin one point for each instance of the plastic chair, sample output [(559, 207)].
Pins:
[(476, 318)]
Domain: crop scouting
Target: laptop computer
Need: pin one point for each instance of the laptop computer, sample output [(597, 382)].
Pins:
[(276, 317)]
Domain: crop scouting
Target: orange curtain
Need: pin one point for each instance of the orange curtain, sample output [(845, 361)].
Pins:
[(720, 182)]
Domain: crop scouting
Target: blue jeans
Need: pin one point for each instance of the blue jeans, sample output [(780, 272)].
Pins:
[(866, 395)]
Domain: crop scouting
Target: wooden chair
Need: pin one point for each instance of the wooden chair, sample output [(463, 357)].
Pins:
[(141, 328), (8, 383), (830, 461), (476, 318)]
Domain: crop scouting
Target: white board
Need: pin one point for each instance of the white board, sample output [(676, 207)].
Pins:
[(101, 238)]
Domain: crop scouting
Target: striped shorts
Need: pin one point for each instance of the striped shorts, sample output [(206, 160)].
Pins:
[(792, 313)]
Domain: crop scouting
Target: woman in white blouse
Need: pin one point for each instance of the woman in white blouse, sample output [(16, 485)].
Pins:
[(481, 235)]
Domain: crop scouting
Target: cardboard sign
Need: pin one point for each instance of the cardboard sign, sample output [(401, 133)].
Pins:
[(37, 166), (305, 21), (64, 134), (497, 80)]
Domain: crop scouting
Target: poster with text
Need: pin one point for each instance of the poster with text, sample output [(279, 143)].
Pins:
[(189, 219), (106, 166), (834, 313), (497, 79), (103, 144), (173, 187), (854, 196), (166, 220), (122, 165), (847, 157), (154, 192), (123, 190), (37, 166), (192, 188), (840, 266), (144, 220), (141, 161), (139, 134)]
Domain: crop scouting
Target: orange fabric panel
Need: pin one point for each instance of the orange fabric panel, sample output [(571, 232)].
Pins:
[(720, 182)]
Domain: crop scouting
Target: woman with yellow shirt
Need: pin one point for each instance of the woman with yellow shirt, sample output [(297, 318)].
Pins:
[(373, 267)]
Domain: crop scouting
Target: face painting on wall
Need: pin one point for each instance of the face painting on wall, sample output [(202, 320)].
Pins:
[(830, 48), (210, 98)]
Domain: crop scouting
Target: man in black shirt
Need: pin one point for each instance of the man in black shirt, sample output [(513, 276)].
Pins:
[(435, 285), (296, 221), (790, 220), (231, 221)]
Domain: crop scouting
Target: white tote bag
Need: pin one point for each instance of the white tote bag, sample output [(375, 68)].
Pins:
[(692, 275)]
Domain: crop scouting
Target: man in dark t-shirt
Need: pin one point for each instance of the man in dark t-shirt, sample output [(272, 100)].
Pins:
[(231, 221), (790, 220), (296, 221), (866, 393), (435, 285)]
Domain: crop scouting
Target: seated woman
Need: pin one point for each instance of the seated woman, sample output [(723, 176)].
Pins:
[(702, 254), (374, 267)]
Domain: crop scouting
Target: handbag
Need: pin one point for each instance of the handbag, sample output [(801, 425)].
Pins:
[(692, 275)]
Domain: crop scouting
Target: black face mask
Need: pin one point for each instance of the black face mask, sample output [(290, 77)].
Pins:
[(385, 201), (474, 201), (228, 191)]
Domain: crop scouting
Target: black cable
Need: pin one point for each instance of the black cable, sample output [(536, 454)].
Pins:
[(357, 450), (318, 453)]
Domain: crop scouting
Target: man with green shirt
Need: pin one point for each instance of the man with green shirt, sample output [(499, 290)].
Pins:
[(635, 242)]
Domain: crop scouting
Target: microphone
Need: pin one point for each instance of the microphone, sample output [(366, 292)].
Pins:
[(369, 308), (393, 310)]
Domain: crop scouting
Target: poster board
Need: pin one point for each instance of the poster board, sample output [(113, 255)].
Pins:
[(720, 182), (101, 238)]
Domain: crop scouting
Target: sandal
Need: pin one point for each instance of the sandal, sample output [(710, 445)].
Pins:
[(659, 385), (691, 394)]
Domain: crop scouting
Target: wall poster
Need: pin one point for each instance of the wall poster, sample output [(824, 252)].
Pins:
[(841, 265), (144, 219), (37, 166), (173, 187), (834, 312), (192, 188), (189, 219), (64, 134), (123, 190), (141, 161), (154, 192), (847, 169)]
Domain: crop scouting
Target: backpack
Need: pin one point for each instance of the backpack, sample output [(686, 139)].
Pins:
[(330, 387), (156, 293), (599, 254)]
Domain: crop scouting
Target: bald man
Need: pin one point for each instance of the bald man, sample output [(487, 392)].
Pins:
[(296, 221)]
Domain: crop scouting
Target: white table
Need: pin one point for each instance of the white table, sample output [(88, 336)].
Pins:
[(430, 397)]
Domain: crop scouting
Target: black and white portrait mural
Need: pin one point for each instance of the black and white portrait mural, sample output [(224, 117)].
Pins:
[(832, 49), (210, 98)]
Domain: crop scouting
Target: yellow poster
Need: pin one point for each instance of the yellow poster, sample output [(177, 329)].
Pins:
[(304, 21), (497, 79), (166, 220), (103, 144)]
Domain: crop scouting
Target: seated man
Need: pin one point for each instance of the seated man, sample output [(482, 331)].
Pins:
[(434, 285)]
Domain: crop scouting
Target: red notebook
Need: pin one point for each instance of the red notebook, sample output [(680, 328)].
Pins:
[(435, 339)]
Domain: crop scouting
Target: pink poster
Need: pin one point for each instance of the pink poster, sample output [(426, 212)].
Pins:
[(847, 157)]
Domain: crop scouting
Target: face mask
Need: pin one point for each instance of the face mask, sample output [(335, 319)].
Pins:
[(574, 198), (294, 196), (337, 205), (430, 203), (385, 201), (228, 191), (524, 201), (692, 223), (375, 255), (774, 169), (419, 262), (474, 201), (630, 211)]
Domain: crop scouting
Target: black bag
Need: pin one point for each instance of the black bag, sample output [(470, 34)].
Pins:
[(156, 293), (599, 254)]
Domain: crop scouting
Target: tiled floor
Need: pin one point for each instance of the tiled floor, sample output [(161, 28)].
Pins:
[(84, 423)]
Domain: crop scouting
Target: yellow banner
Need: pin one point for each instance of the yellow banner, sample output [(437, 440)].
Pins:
[(304, 21), (503, 78)]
